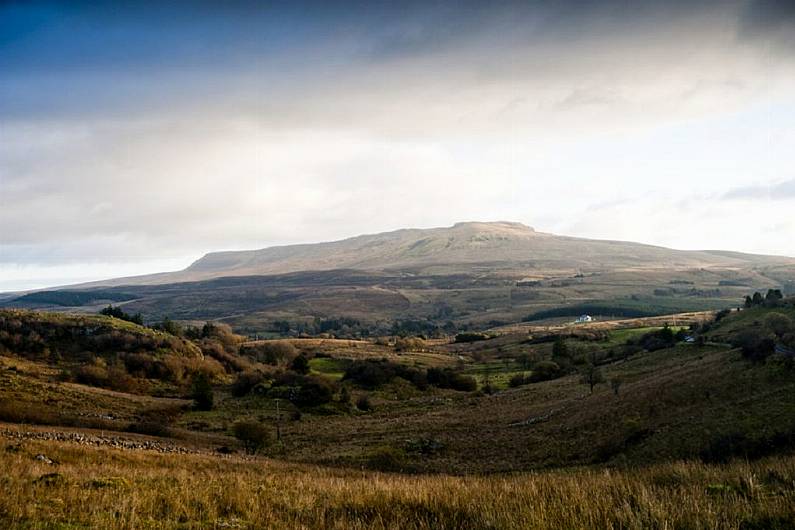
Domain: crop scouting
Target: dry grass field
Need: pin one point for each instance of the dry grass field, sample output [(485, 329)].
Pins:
[(110, 488)]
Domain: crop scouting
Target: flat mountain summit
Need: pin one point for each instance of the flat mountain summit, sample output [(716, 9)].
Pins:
[(464, 245), (465, 248)]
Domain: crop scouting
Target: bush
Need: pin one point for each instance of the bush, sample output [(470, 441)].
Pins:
[(373, 374), (448, 378), (779, 324), (517, 381), (271, 352), (755, 345), (202, 392), (300, 365), (387, 459), (254, 435), (364, 404), (724, 447), (470, 337), (150, 427), (545, 371), (658, 340), (315, 391), (246, 381), (303, 390), (92, 374)]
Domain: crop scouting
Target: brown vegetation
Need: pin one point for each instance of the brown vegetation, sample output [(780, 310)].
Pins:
[(106, 488)]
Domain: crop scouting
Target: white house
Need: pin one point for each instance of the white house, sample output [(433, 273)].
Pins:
[(584, 318)]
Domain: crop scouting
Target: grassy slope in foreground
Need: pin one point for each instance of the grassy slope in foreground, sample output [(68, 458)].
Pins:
[(105, 488)]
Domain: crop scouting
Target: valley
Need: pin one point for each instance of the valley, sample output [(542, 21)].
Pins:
[(677, 383)]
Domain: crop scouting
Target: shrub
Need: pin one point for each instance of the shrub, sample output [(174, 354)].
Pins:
[(778, 323), (345, 396), (271, 352), (448, 378), (517, 381), (303, 390), (658, 340), (300, 365), (363, 403), (373, 374), (755, 346), (246, 381), (545, 371), (202, 392), (314, 391), (470, 337), (92, 374), (387, 459), (150, 427), (254, 435)]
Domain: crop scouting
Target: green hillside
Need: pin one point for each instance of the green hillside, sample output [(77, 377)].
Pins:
[(504, 403)]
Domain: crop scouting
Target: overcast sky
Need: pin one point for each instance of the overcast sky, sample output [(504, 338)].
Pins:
[(135, 137)]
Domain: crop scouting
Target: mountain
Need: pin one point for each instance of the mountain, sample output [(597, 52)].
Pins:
[(461, 248), (470, 275)]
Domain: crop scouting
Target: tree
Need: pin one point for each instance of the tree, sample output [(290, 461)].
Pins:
[(590, 374), (545, 370), (117, 312), (170, 327), (202, 392), (757, 299), (254, 435), (300, 365), (749, 302), (773, 297), (559, 348), (779, 323)]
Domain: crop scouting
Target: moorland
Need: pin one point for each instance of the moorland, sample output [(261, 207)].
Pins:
[(163, 405)]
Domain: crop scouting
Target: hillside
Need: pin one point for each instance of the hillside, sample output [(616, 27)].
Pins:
[(469, 276), (597, 413), (461, 248), (509, 402)]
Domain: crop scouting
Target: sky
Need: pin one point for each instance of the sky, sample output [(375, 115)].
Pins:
[(137, 136)]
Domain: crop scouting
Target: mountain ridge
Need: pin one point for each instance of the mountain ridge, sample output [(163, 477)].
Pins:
[(463, 243), (465, 247)]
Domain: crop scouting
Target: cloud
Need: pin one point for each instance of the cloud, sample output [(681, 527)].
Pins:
[(779, 191), (138, 131)]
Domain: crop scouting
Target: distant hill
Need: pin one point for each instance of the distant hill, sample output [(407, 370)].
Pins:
[(469, 275), (462, 248)]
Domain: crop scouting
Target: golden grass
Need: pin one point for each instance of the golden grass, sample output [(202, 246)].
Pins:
[(105, 488)]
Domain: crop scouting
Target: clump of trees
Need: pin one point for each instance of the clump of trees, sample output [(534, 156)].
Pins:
[(759, 342), (303, 390), (449, 378), (773, 298), (542, 371), (271, 352), (117, 312), (373, 374), (470, 336)]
